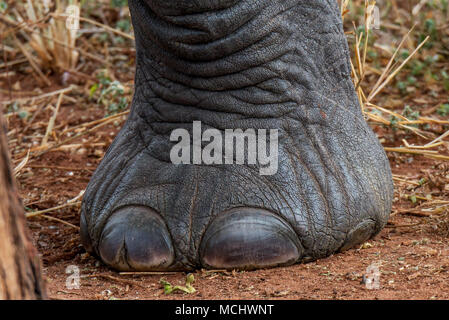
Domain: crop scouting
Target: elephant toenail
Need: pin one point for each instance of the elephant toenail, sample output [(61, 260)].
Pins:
[(136, 238), (249, 238)]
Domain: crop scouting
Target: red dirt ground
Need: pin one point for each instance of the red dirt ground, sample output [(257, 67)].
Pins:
[(412, 252)]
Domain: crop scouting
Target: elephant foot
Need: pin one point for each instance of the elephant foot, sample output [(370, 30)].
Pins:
[(141, 212), (249, 67)]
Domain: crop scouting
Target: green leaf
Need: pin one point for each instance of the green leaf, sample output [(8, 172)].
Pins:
[(23, 114), (188, 288), (168, 288), (3, 6), (92, 90)]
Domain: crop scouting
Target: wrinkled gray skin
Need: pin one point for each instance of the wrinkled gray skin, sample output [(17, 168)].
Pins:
[(238, 64)]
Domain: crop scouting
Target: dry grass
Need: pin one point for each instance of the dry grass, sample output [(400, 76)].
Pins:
[(426, 202), (45, 40), (360, 69)]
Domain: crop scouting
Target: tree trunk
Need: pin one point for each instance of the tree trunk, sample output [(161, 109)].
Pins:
[(20, 270)]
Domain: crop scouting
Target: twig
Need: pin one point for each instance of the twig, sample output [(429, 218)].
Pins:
[(32, 62), (395, 72), (61, 221), (444, 135), (149, 273), (426, 153), (22, 164), (71, 202), (57, 167), (402, 225), (71, 138), (123, 34), (107, 276), (51, 122), (45, 95), (37, 213)]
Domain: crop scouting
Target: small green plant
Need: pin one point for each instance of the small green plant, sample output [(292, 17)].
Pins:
[(393, 121), (15, 108), (404, 54), (188, 288), (361, 32), (119, 3), (417, 67), (124, 25), (443, 110), (402, 86), (445, 77), (431, 26), (3, 6), (412, 80), (111, 94), (410, 114)]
